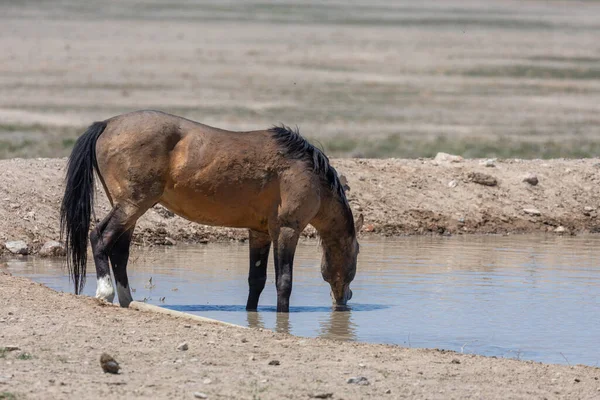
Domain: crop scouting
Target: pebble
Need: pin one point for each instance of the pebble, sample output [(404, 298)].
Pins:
[(452, 184), (109, 364), (274, 362), (440, 157), (530, 178), (207, 381), (455, 361), (52, 248), (170, 241), (200, 395), (17, 247), (359, 380), (251, 358), (560, 229), (482, 179), (389, 391), (183, 346), (532, 211), (588, 208), (490, 162), (322, 395)]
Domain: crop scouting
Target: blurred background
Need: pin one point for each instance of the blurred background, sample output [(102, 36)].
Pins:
[(362, 78)]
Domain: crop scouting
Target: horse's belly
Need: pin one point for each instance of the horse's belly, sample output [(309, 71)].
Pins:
[(235, 210)]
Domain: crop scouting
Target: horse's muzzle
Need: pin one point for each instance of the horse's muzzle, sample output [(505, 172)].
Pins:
[(341, 299)]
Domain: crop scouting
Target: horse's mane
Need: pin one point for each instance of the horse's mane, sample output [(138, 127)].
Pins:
[(297, 147)]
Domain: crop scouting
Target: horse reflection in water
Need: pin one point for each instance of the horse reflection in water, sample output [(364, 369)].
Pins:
[(337, 325), (272, 182)]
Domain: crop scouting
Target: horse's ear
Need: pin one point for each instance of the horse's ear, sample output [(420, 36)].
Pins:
[(359, 223)]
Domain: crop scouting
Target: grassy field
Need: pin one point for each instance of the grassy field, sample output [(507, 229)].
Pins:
[(373, 79)]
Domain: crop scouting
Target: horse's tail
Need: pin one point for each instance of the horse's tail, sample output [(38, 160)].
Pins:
[(78, 203)]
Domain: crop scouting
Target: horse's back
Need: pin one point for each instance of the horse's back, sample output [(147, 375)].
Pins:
[(204, 174)]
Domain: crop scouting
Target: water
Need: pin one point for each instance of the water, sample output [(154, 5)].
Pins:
[(526, 297)]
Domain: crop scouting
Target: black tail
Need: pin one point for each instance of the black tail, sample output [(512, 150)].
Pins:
[(78, 203)]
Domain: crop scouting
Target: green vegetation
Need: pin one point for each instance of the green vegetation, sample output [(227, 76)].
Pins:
[(7, 396), (534, 71), (24, 356), (27, 141), (396, 146)]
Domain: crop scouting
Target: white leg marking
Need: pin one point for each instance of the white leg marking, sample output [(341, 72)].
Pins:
[(104, 289), (257, 264), (124, 295)]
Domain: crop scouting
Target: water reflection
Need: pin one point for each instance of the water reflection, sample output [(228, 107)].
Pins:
[(254, 320), (339, 325)]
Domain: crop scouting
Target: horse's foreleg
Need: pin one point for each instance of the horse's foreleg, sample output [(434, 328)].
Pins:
[(260, 244), (287, 239), (119, 255), (103, 238)]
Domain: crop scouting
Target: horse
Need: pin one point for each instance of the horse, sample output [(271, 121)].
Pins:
[(272, 182)]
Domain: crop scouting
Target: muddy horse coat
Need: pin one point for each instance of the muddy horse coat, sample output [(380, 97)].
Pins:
[(272, 182)]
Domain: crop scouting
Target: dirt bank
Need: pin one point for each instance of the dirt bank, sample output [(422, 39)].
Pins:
[(397, 197), (60, 338)]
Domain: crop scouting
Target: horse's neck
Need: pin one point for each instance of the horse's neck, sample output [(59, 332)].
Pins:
[(334, 220)]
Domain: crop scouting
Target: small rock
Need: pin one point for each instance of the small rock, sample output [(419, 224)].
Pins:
[(170, 241), (359, 380), (322, 396), (17, 247), (344, 182), (455, 361), (207, 381), (52, 248), (274, 362), (482, 179), (532, 211), (588, 209), (183, 346), (109, 364), (530, 178), (200, 395), (452, 184), (577, 380), (441, 157), (560, 229), (389, 391), (490, 162), (251, 358)]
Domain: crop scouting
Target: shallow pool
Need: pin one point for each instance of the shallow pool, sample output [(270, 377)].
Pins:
[(527, 297)]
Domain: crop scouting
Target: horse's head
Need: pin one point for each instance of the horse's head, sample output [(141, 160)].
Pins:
[(338, 265)]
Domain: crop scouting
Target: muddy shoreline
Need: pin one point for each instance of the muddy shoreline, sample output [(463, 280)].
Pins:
[(397, 197)]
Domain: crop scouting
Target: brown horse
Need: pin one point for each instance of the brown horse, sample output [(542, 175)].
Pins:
[(272, 182)]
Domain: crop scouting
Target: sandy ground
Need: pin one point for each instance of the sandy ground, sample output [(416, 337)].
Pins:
[(397, 197), (60, 338), (479, 78)]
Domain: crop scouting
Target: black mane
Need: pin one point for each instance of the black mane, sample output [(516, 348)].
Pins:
[(297, 147)]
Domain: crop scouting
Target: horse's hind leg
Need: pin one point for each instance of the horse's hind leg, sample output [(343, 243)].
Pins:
[(103, 239), (260, 244), (119, 255)]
